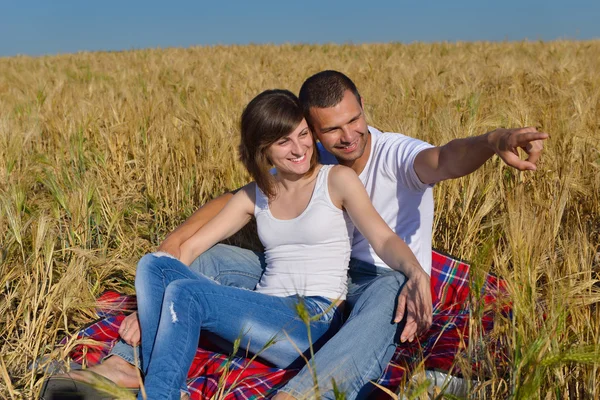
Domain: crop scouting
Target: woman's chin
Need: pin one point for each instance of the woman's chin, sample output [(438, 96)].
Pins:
[(300, 169)]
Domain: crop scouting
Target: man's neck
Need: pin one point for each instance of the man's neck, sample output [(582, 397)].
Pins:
[(359, 164)]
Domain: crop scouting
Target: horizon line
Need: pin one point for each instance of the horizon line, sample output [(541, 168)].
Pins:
[(291, 43)]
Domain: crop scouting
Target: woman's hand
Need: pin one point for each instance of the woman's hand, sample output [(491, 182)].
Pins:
[(415, 302), (130, 329)]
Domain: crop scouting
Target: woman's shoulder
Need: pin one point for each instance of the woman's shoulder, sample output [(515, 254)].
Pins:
[(341, 180), (248, 191), (247, 188), (340, 172)]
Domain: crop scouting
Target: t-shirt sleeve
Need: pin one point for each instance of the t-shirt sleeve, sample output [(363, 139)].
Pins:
[(400, 160)]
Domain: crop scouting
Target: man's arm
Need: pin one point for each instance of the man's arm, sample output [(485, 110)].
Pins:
[(191, 225), (130, 327), (234, 216), (460, 157)]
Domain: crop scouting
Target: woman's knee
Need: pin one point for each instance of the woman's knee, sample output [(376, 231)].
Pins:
[(157, 264), (199, 290), (186, 292), (380, 297), (178, 289), (145, 267)]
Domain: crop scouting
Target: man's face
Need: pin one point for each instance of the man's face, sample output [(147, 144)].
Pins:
[(342, 129)]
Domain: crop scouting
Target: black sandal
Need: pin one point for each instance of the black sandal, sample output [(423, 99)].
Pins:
[(99, 388)]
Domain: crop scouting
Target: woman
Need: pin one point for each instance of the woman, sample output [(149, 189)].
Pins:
[(301, 222)]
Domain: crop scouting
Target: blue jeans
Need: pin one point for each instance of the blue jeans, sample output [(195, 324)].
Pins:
[(175, 304), (361, 349), (227, 265), (359, 353)]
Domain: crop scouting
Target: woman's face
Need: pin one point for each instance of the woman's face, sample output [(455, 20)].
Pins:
[(292, 153)]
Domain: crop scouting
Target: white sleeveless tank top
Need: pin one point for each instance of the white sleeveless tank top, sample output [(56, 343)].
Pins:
[(307, 255)]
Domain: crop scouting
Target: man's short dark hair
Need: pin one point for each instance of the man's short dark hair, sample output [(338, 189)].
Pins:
[(325, 89)]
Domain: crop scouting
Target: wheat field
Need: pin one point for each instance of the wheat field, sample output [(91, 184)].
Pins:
[(103, 154)]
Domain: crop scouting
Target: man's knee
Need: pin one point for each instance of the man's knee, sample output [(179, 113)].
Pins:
[(230, 266), (209, 263), (391, 282), (383, 289), (376, 306)]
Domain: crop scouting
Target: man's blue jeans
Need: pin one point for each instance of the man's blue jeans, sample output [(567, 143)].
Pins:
[(175, 304), (361, 349)]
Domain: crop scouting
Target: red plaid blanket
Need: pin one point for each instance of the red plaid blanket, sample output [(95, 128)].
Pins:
[(240, 378)]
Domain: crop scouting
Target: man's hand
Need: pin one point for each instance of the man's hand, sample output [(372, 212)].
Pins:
[(415, 301), (130, 329), (170, 246), (506, 142)]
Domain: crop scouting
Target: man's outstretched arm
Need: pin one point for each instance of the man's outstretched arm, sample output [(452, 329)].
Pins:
[(461, 157), (196, 221)]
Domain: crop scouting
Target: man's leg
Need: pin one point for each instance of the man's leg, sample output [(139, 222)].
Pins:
[(361, 350), (228, 265), (231, 266)]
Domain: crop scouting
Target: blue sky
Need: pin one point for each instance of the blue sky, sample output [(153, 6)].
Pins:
[(56, 26)]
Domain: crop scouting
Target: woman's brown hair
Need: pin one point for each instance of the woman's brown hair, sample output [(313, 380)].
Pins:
[(268, 117)]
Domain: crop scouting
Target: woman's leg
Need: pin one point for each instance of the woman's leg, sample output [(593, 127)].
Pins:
[(153, 274), (266, 325), (228, 265)]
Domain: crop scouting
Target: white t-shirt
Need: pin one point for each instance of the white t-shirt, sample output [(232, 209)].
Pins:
[(403, 201)]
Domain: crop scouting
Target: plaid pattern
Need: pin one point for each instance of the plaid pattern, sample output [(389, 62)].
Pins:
[(449, 332), (243, 379)]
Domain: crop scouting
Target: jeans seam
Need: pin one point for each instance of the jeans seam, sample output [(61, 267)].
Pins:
[(326, 316), (253, 302), (371, 369), (239, 273), (183, 276), (373, 364)]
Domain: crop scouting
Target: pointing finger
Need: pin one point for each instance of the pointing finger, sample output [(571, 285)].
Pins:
[(526, 137)]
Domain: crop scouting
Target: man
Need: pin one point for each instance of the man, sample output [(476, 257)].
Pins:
[(399, 173)]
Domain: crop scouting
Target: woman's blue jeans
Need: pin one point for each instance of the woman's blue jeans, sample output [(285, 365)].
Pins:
[(176, 303)]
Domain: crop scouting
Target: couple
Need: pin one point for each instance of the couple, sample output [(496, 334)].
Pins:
[(309, 244)]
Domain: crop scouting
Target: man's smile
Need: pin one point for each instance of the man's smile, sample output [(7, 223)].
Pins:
[(349, 148)]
